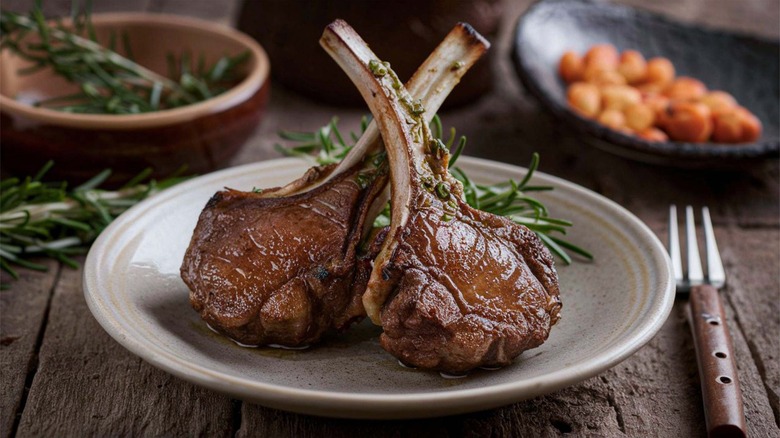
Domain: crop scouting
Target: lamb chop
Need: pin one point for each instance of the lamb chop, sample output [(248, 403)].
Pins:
[(278, 267), (453, 288)]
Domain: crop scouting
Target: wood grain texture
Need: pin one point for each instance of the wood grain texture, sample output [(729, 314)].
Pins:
[(23, 310), (86, 384), (752, 290), (759, 414)]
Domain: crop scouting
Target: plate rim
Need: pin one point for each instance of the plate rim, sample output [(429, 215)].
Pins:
[(373, 405)]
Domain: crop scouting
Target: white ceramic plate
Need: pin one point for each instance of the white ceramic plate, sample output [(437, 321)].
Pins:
[(611, 307)]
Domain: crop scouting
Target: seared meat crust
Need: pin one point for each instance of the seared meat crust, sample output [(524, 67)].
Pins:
[(278, 270), (475, 290)]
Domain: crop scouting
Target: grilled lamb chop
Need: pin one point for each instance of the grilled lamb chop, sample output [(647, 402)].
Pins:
[(453, 288), (278, 267)]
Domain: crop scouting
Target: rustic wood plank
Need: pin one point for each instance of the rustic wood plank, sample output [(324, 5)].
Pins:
[(584, 409), (756, 392), (751, 260), (23, 308), (88, 385), (266, 422)]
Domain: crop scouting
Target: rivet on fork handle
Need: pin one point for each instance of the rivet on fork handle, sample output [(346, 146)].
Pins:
[(722, 400)]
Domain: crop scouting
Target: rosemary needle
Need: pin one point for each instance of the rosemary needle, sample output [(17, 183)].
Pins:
[(109, 82), (40, 218), (509, 198)]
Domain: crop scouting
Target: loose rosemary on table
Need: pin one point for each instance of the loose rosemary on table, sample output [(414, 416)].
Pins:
[(109, 83), (40, 218), (509, 198)]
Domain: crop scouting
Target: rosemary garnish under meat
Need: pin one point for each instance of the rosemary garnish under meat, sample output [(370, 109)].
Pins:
[(509, 198)]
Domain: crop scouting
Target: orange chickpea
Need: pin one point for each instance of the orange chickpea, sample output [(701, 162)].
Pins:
[(688, 121), (736, 125), (632, 66), (751, 126), (585, 98), (651, 88), (602, 55), (659, 71), (727, 127), (619, 97), (571, 67), (685, 88), (600, 76), (653, 134), (719, 101), (629, 94), (657, 102), (613, 119), (639, 116)]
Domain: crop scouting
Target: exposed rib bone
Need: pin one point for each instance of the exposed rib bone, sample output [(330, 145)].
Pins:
[(431, 84), (354, 57), (453, 287)]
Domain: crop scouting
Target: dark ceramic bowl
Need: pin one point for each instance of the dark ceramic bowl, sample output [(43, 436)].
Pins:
[(747, 67), (202, 136)]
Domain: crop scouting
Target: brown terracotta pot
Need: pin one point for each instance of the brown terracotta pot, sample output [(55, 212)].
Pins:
[(402, 32), (202, 136)]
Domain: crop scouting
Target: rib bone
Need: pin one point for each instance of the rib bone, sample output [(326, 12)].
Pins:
[(454, 288), (278, 267)]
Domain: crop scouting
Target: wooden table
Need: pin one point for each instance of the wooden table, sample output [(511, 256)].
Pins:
[(63, 376)]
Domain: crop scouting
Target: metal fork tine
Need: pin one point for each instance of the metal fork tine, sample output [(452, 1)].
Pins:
[(716, 275), (674, 246), (695, 274)]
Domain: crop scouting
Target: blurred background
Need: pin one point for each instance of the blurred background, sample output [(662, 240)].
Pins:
[(490, 107)]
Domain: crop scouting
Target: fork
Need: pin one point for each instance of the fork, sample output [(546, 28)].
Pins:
[(722, 396)]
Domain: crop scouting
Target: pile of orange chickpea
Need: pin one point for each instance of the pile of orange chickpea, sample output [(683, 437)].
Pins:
[(644, 98)]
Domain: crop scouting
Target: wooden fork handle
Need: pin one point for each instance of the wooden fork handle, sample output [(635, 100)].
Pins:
[(723, 408)]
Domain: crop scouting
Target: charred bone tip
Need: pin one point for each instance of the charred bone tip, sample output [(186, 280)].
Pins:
[(473, 37)]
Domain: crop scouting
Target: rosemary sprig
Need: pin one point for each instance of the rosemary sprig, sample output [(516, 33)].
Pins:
[(509, 198), (40, 218), (109, 82), (326, 145)]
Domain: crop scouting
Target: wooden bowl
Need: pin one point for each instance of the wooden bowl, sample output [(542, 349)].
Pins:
[(203, 136), (745, 66)]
